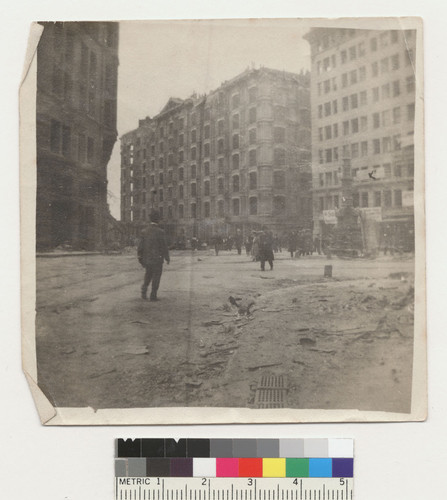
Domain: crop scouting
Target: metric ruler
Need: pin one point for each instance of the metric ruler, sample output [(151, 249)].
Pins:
[(152, 488), (234, 469)]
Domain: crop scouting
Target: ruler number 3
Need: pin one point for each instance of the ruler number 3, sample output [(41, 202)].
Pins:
[(250, 481)]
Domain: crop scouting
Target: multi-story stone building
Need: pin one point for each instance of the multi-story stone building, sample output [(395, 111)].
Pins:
[(77, 65), (236, 158), (363, 108)]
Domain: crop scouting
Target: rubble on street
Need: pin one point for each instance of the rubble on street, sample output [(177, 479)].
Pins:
[(344, 341)]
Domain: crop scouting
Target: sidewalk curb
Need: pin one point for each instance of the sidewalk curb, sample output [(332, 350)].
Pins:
[(73, 254)]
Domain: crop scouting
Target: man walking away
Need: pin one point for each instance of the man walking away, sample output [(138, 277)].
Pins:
[(291, 244), (255, 246), (238, 241), (266, 249), (152, 250), (248, 243), (217, 240)]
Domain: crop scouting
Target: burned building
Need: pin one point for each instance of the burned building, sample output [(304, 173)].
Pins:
[(238, 157), (77, 66), (363, 111)]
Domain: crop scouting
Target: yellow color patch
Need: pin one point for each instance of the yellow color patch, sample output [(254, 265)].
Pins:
[(273, 467)]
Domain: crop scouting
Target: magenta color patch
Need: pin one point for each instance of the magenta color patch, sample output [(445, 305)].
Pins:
[(227, 467)]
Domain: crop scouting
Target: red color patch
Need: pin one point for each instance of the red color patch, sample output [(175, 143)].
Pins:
[(250, 467)]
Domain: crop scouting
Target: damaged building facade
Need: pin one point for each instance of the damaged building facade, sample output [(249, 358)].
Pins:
[(237, 158), (77, 67), (363, 110)]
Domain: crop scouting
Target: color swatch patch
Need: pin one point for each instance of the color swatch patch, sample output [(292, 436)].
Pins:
[(232, 458), (235, 448)]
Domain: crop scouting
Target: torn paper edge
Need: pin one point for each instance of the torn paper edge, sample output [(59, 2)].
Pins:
[(27, 102)]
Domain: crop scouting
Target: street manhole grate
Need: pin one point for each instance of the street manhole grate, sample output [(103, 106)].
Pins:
[(271, 392)]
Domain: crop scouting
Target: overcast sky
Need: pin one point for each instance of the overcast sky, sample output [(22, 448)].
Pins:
[(163, 59)]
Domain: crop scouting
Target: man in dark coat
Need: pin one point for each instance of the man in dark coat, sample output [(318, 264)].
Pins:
[(218, 241), (266, 249), (291, 243), (152, 250)]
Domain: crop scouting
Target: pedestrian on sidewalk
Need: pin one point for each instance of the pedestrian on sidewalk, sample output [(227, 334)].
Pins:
[(291, 243), (266, 249), (218, 241), (275, 244), (152, 250), (238, 241), (255, 246), (248, 244)]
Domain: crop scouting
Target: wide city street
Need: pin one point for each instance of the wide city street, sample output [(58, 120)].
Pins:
[(344, 341)]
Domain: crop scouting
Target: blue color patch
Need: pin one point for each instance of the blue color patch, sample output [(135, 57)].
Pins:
[(342, 467), (320, 467)]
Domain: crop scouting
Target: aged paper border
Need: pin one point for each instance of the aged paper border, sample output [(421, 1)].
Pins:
[(50, 415)]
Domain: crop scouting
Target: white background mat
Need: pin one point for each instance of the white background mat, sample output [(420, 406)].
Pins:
[(392, 461)]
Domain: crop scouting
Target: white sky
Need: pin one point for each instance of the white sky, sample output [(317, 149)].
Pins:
[(166, 59)]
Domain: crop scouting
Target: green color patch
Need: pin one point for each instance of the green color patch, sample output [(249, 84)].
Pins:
[(297, 467)]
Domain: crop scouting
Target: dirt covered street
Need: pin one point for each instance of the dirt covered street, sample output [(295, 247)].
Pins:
[(340, 342)]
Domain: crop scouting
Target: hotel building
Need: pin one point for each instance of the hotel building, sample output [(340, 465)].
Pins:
[(238, 157)]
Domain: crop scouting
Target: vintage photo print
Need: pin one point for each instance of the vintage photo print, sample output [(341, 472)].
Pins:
[(223, 221)]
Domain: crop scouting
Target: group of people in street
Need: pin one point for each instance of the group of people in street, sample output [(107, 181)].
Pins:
[(258, 244), (227, 243), (261, 245), (298, 243), (301, 243)]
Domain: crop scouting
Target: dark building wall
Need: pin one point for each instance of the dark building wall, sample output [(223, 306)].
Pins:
[(77, 67), (236, 158)]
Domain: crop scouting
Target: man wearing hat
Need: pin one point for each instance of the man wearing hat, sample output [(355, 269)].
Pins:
[(152, 250)]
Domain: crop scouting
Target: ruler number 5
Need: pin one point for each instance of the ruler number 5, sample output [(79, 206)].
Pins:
[(342, 481)]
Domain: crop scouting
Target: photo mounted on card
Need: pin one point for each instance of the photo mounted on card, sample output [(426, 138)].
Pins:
[(223, 221)]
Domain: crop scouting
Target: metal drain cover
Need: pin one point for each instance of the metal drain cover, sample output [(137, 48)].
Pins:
[(271, 392)]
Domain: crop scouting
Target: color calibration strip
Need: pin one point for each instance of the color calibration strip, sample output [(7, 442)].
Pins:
[(264, 458)]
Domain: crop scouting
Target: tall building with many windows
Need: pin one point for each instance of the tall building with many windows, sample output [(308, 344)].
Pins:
[(77, 67), (238, 157), (363, 108)]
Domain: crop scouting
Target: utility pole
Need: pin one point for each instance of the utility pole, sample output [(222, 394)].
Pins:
[(347, 234)]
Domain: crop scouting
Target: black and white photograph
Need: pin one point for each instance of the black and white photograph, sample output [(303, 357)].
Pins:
[(226, 218)]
